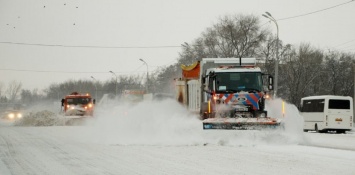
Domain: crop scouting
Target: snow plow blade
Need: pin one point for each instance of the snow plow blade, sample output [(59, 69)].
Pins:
[(241, 123), (75, 119)]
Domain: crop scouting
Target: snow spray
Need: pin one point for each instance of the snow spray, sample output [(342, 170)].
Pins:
[(169, 123)]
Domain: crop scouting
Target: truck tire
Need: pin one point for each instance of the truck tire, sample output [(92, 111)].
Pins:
[(203, 111)]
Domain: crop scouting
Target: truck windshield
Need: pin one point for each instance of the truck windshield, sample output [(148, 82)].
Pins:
[(238, 81), (75, 101)]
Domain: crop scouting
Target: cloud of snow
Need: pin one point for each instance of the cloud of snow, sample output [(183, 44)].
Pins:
[(293, 121), (148, 122), (169, 123), (166, 123)]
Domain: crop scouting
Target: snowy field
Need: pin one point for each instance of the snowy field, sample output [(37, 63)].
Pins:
[(163, 138)]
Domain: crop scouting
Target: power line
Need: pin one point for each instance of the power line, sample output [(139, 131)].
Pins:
[(315, 11), (68, 72), (348, 49), (344, 43), (99, 47)]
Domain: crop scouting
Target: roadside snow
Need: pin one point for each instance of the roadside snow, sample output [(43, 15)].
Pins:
[(163, 138), (41, 118)]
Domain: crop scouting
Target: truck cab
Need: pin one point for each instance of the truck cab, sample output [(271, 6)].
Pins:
[(228, 93), (77, 104), (238, 88)]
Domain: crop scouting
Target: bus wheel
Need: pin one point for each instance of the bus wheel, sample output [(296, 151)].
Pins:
[(340, 131), (317, 130)]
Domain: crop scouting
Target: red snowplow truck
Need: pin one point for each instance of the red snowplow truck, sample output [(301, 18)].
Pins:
[(227, 93), (77, 104)]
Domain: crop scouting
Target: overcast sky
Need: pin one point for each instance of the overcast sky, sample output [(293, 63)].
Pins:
[(122, 28)]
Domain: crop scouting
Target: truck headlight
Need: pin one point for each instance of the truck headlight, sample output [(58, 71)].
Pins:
[(19, 115), (267, 96)]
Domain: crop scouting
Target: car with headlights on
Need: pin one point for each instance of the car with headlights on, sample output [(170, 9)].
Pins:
[(12, 115)]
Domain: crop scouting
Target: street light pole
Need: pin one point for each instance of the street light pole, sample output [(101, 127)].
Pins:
[(353, 65), (116, 82), (268, 15), (95, 86), (147, 73)]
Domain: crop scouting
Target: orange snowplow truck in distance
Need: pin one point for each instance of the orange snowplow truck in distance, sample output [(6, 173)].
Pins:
[(77, 104)]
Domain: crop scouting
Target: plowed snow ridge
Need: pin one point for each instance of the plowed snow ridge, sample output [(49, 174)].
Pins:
[(169, 123)]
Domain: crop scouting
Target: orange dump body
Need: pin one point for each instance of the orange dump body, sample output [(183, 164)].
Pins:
[(191, 71)]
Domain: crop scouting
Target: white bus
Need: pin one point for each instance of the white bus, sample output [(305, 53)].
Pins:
[(327, 113)]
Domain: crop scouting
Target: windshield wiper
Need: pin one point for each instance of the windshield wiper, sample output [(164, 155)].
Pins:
[(231, 91), (251, 90)]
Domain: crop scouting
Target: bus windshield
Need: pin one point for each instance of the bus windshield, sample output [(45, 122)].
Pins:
[(75, 101), (238, 81)]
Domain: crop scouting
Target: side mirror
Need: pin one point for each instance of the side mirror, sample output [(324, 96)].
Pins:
[(209, 92), (270, 82), (94, 101), (62, 102)]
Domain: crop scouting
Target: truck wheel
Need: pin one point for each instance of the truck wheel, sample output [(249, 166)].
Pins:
[(203, 110)]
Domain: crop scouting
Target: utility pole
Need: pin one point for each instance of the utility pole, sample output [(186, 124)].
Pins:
[(147, 86), (116, 83), (268, 15), (95, 86)]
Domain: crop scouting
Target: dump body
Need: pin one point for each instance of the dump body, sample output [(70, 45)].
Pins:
[(226, 93), (77, 104)]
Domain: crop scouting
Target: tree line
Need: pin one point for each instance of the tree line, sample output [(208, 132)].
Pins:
[(304, 70)]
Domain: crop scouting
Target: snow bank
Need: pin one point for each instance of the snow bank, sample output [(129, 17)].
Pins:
[(169, 123), (41, 118)]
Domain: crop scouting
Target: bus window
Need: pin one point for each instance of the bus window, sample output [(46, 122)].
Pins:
[(313, 106), (339, 104)]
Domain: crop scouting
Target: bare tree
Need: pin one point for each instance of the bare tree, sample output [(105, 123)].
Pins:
[(29, 97), (13, 90), (233, 36), (164, 79), (338, 74), (239, 36), (1, 89), (301, 69)]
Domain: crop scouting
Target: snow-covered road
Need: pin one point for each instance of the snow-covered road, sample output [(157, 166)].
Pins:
[(170, 143), (64, 150)]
